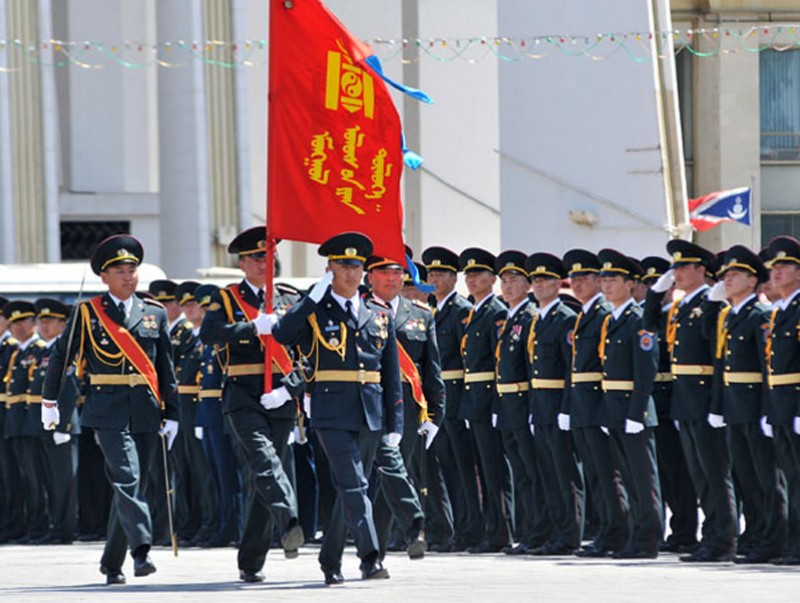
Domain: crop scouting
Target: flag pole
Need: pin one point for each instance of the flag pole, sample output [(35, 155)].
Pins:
[(271, 244)]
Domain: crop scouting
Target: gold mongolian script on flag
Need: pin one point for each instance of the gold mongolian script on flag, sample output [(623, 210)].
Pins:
[(355, 171)]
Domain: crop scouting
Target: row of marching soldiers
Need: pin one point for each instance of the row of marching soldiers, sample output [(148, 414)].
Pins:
[(535, 417)]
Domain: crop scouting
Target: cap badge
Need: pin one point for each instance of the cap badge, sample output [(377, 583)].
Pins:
[(651, 270), (607, 266), (262, 244), (540, 269), (676, 255), (733, 261), (162, 294), (510, 265), (781, 254), (577, 266), (436, 263), (15, 313), (44, 311), (350, 251), (471, 262)]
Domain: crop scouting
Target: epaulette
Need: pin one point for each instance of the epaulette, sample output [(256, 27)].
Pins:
[(40, 343), (531, 309), (12, 341), (188, 325), (153, 302), (421, 304), (287, 289)]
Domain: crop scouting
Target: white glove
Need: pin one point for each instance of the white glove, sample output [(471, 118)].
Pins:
[(677, 425), (604, 429), (717, 292), (264, 323), (318, 290), (291, 439), (276, 398), (50, 416), (494, 420), (797, 425), (393, 439), (429, 430), (633, 426), (61, 438), (466, 423), (299, 437), (170, 431), (664, 282), (198, 433), (766, 428), (716, 421), (307, 405), (563, 421)]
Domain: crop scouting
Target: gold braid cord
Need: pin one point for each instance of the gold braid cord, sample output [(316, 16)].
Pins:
[(106, 358), (532, 338), (340, 349), (601, 347), (722, 331)]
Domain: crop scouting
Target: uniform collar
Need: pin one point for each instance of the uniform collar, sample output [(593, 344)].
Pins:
[(128, 303), (545, 311), (23, 345), (443, 303), (394, 304), (253, 288), (483, 301), (784, 303), (517, 308), (588, 305), (740, 305), (173, 323), (689, 297), (619, 311), (355, 301)]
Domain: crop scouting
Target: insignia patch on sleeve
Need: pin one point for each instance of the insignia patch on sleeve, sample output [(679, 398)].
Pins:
[(646, 341)]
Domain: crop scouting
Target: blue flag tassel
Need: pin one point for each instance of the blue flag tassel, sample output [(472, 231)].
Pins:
[(410, 158), (414, 274)]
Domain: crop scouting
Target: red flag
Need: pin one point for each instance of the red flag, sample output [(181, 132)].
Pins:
[(335, 139)]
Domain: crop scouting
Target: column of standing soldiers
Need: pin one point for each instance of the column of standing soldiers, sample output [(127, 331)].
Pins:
[(534, 422)]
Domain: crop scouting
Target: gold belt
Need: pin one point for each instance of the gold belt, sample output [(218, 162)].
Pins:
[(33, 399), (785, 379), (692, 369), (240, 370), (742, 377), (361, 376), (478, 377), (512, 388), (547, 383), (617, 386), (586, 377), (662, 377), (16, 399), (210, 393), (129, 380), (189, 389), (454, 374)]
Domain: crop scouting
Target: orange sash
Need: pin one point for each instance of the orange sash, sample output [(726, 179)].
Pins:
[(128, 345), (280, 355), (410, 372)]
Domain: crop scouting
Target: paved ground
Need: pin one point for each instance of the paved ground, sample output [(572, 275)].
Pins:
[(70, 573)]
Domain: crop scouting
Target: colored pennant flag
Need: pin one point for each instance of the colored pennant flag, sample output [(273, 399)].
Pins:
[(335, 138), (723, 206)]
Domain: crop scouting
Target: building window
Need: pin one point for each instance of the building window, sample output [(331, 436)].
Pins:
[(78, 239), (779, 96), (774, 224)]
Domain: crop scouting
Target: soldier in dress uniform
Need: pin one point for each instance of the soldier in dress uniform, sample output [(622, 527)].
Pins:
[(783, 410), (453, 445), (260, 423), (21, 316), (423, 403), (186, 522), (57, 449), (512, 417), (691, 341), (629, 356), (580, 412), (740, 397), (677, 491), (356, 393), (200, 514), (209, 425), (125, 344), (481, 400), (549, 350), (10, 497)]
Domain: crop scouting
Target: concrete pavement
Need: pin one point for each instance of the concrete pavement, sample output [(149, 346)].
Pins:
[(70, 573)]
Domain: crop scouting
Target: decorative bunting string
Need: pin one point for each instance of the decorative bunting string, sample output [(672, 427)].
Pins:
[(639, 46)]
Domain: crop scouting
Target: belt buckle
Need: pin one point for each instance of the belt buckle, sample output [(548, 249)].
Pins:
[(361, 376)]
